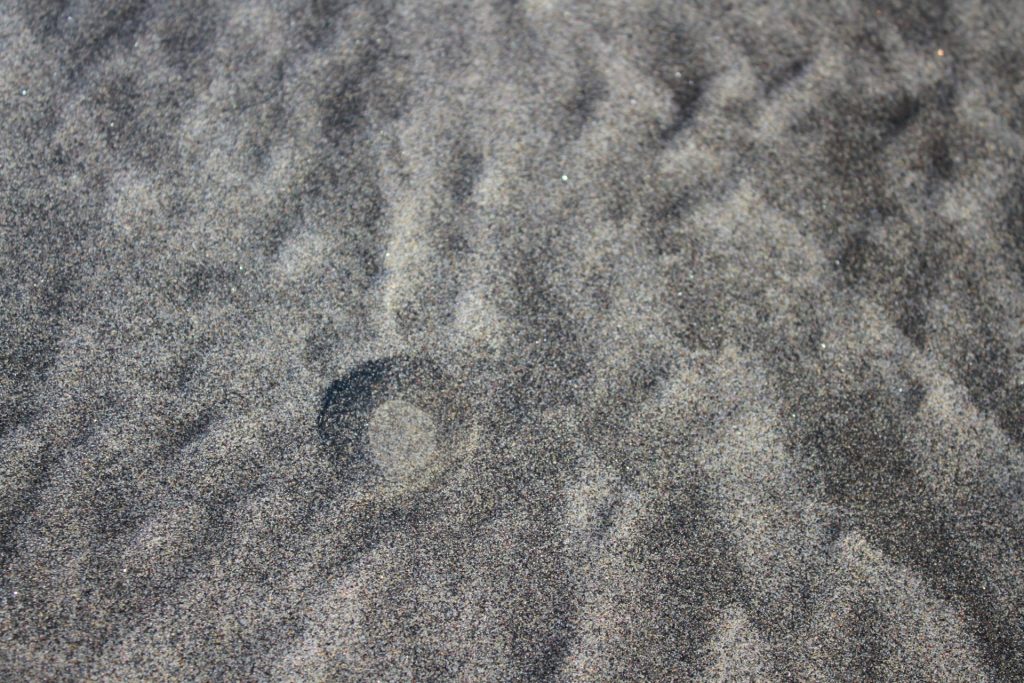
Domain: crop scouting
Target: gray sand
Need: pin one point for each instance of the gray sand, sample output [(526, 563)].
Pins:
[(506, 341)]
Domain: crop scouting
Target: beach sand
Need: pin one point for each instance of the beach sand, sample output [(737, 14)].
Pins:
[(508, 341)]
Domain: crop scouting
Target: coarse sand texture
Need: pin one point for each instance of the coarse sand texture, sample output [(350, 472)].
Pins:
[(511, 341)]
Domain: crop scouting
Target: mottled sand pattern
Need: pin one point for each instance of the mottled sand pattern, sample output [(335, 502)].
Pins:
[(512, 341)]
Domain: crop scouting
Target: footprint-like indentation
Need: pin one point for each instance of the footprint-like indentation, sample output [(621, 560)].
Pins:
[(395, 416)]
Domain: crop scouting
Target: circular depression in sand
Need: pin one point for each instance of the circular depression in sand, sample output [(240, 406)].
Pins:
[(402, 439)]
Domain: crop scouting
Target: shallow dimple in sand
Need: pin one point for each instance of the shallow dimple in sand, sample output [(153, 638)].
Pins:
[(402, 440)]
